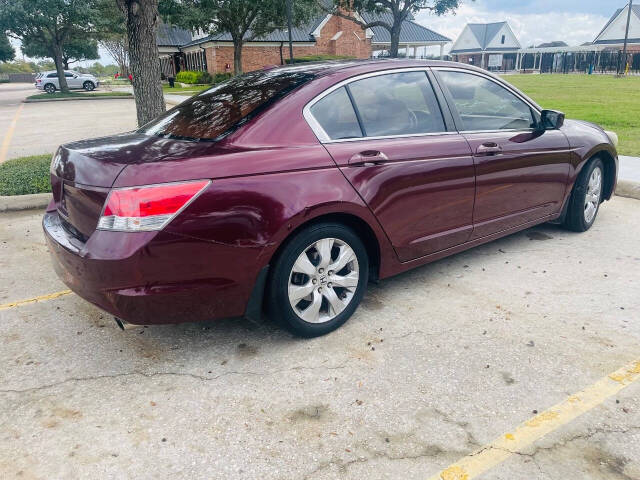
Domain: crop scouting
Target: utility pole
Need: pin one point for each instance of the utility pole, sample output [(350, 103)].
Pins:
[(626, 39), (289, 7)]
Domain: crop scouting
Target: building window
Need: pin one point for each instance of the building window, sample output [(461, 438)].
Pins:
[(503, 38)]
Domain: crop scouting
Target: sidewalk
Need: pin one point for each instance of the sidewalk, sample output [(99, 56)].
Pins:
[(629, 169)]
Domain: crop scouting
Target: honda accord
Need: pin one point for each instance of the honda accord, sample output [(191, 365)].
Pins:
[(289, 189)]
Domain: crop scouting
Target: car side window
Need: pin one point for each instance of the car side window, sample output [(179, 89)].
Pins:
[(485, 105), (400, 103), (68, 74), (52, 75), (336, 116)]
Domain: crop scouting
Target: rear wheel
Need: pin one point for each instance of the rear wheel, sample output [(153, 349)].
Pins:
[(318, 280), (586, 197), (50, 88), (88, 86)]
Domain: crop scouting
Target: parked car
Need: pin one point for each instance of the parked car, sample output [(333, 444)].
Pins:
[(292, 188), (49, 82)]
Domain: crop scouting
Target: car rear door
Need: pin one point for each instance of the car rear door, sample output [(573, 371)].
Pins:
[(521, 171), (388, 134)]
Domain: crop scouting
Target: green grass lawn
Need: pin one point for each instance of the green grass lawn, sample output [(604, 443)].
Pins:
[(189, 90), (24, 175), (47, 96), (613, 103)]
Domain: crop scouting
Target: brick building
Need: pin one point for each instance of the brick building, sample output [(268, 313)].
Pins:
[(326, 35)]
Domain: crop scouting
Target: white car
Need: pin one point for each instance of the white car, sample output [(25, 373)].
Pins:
[(48, 81)]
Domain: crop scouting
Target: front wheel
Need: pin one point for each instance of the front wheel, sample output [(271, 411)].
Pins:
[(88, 86), (586, 197), (318, 280)]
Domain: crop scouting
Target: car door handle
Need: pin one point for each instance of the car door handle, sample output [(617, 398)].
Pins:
[(489, 148), (368, 158)]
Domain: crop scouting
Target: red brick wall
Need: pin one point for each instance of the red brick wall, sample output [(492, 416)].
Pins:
[(352, 42)]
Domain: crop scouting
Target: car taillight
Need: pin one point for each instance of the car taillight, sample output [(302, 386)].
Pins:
[(39, 81), (141, 209)]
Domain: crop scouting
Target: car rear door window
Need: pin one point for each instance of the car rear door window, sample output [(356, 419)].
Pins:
[(400, 103), (214, 113), (336, 116), (485, 105)]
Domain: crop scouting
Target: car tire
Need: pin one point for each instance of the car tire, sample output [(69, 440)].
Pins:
[(50, 88), (300, 268), (586, 197), (88, 86)]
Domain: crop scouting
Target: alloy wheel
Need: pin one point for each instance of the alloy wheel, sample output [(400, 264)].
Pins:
[(592, 197), (323, 280)]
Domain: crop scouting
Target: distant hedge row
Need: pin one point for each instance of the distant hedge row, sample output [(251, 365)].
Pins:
[(193, 77)]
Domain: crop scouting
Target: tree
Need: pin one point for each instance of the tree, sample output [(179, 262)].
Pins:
[(74, 50), (119, 51), (112, 29), (7, 53), (50, 22), (400, 9), (142, 24), (243, 20)]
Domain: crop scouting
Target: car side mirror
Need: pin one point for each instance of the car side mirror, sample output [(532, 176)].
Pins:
[(551, 119)]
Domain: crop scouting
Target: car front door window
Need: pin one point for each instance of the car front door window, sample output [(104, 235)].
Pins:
[(483, 104)]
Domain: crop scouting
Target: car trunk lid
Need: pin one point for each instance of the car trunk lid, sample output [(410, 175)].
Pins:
[(83, 173)]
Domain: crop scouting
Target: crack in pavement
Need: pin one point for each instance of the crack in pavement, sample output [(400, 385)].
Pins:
[(159, 374)]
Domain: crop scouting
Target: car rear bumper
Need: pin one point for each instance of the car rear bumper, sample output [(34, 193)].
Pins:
[(150, 277)]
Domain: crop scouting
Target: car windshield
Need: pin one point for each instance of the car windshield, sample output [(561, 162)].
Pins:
[(214, 113)]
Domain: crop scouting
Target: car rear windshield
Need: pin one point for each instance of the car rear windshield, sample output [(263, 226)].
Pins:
[(214, 113)]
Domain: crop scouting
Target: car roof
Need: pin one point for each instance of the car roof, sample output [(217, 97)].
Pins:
[(327, 67)]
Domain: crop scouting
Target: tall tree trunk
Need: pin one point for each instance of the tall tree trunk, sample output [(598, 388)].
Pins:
[(144, 61), (65, 62), (57, 59), (395, 39), (237, 57)]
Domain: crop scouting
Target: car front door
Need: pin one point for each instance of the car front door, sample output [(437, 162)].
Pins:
[(388, 135), (73, 80), (521, 171)]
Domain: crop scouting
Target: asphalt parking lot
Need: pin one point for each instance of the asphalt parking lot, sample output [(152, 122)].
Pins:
[(39, 128), (476, 366)]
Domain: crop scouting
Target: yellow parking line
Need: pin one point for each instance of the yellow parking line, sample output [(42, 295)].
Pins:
[(4, 148), (41, 298), (555, 417)]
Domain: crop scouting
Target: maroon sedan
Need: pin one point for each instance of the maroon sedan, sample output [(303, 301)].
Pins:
[(291, 188)]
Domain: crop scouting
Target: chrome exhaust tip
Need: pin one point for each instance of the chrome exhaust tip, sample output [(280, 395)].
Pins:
[(124, 325)]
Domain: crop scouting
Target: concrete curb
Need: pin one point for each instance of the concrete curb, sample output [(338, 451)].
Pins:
[(73, 99), (14, 203), (628, 189), (24, 202)]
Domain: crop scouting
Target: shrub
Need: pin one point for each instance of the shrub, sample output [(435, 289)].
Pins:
[(319, 58), (4, 80), (221, 77), (192, 77), (25, 175)]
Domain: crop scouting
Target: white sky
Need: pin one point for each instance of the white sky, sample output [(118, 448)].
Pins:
[(572, 27)]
